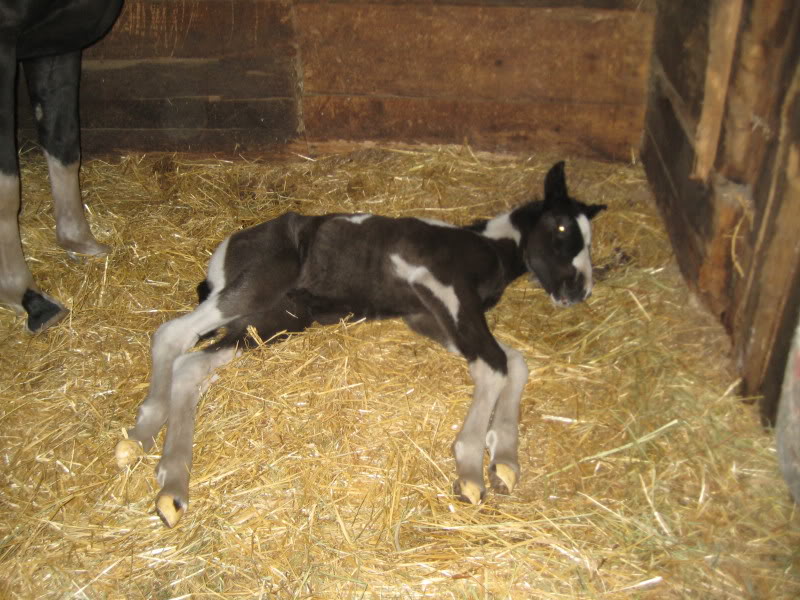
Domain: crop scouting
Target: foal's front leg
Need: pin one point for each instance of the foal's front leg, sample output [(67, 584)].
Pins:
[(502, 439), (470, 442)]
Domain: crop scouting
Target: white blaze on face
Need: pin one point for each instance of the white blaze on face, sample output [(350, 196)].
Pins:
[(583, 260)]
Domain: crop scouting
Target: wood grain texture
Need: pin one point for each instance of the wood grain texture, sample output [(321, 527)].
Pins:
[(600, 130), (196, 75), (487, 75)]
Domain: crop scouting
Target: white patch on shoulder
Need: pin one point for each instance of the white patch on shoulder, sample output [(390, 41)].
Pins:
[(422, 276), (583, 260), (501, 227), (356, 219), (38, 112), (436, 222)]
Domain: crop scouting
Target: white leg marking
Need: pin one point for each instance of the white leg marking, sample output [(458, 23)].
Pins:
[(72, 230), (583, 260), (501, 227), (421, 275), (15, 277)]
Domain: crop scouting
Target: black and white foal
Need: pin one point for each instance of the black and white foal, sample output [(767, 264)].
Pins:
[(284, 274)]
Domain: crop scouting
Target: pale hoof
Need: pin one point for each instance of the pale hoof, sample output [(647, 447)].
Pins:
[(79, 248), (170, 510), (468, 491), (503, 478), (126, 452)]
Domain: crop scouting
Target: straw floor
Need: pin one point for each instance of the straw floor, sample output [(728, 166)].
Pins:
[(323, 465)]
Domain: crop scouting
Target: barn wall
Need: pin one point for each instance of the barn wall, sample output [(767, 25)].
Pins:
[(497, 77), (720, 148), (250, 75)]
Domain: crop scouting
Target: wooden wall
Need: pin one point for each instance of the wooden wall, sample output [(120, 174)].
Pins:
[(722, 149), (250, 75)]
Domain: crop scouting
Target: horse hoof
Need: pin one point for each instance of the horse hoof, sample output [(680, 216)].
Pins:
[(43, 311), (126, 452), (170, 510), (503, 478), (468, 491)]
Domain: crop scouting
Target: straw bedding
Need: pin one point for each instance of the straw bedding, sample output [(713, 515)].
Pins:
[(323, 465)]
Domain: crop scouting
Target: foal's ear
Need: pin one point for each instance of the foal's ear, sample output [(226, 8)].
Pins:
[(591, 210), (555, 185)]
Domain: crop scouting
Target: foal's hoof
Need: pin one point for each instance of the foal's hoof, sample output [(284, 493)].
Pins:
[(503, 478), (170, 510), (468, 491), (126, 452)]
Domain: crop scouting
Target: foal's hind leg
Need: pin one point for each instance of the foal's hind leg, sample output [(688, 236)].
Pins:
[(170, 341), (173, 469)]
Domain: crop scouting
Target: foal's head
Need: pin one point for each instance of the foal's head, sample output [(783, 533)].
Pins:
[(558, 248)]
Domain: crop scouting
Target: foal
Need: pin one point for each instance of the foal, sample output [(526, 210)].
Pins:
[(285, 274)]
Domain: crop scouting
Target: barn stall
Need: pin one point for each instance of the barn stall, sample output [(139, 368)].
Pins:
[(324, 464)]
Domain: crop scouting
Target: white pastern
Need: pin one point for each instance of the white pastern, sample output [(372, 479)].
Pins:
[(421, 275), (583, 260), (501, 227), (357, 219)]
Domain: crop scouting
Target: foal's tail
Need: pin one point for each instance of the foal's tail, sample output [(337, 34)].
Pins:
[(203, 290)]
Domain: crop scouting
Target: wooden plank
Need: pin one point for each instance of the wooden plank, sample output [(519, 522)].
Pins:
[(266, 115), (772, 305), (600, 130), (760, 126), (668, 156), (724, 27), (637, 5), (507, 53), (197, 28), (499, 78), (681, 45), (227, 142), (170, 73), (235, 77), (767, 47)]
